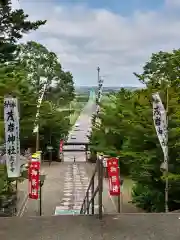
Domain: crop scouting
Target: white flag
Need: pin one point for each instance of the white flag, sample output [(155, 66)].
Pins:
[(41, 95), (17, 131), (11, 121), (160, 123)]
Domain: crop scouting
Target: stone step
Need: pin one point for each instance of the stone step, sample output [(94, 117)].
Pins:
[(79, 227)]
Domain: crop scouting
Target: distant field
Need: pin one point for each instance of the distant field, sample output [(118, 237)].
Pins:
[(86, 89), (74, 105)]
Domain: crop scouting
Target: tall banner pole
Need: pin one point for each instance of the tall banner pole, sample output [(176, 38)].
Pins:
[(160, 118), (36, 127), (99, 94), (36, 130), (167, 157)]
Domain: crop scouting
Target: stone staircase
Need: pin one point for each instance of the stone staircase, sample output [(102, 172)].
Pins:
[(111, 227), (86, 226)]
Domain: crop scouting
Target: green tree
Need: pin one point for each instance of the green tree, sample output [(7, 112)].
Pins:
[(161, 68), (13, 25), (13, 80), (24, 71), (54, 125), (126, 129), (43, 67), (108, 134), (62, 92)]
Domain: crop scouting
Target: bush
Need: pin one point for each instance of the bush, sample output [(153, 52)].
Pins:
[(148, 199)]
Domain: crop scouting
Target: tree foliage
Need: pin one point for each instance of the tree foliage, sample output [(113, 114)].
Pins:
[(25, 69), (20, 82), (126, 129), (13, 24), (43, 67)]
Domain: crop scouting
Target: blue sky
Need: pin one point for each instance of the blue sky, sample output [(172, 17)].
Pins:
[(124, 7), (117, 35)]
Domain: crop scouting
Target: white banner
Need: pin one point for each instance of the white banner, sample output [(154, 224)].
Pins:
[(11, 121), (17, 127), (160, 123), (99, 99), (41, 95), (17, 131)]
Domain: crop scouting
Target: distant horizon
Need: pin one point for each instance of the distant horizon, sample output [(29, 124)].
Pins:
[(124, 86)]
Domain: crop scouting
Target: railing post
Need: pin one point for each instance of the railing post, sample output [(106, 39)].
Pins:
[(92, 193), (87, 201), (119, 196), (100, 184), (85, 207), (86, 149)]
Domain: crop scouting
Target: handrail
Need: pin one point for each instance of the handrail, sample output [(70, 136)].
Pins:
[(89, 202)]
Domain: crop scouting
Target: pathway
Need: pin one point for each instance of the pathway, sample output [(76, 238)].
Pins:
[(75, 185), (66, 183), (84, 122)]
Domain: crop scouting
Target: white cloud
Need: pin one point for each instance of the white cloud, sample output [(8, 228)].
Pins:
[(172, 3), (84, 38)]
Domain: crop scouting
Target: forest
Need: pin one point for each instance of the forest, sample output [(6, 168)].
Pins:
[(126, 129)]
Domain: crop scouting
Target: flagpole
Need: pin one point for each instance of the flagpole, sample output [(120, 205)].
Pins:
[(160, 116), (166, 160)]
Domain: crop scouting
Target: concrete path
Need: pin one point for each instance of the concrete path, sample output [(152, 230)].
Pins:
[(52, 191), (57, 181), (84, 122), (64, 189), (76, 182), (66, 183)]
